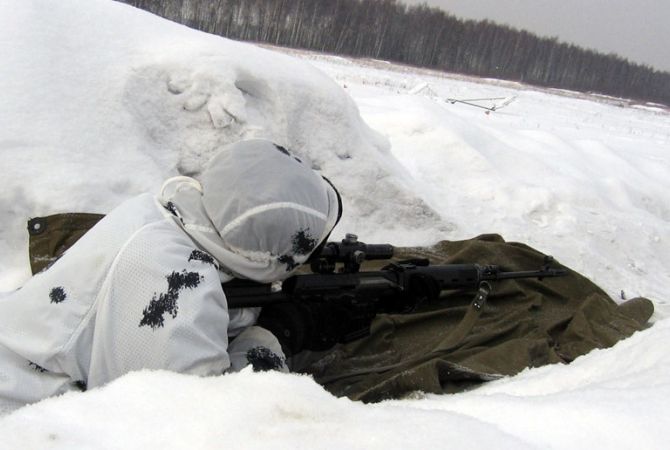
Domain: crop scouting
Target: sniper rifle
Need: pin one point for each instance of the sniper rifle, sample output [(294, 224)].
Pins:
[(334, 303)]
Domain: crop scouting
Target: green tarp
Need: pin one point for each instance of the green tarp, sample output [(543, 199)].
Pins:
[(451, 346)]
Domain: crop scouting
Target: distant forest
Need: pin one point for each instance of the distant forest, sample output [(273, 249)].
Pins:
[(418, 35)]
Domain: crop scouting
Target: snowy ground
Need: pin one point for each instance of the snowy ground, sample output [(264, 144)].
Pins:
[(582, 178), (102, 102)]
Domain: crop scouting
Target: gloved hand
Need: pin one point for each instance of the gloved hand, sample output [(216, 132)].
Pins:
[(257, 347)]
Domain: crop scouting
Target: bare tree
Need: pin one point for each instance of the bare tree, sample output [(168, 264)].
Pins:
[(418, 35)]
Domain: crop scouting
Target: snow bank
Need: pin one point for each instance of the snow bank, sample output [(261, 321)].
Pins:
[(614, 398), (104, 101), (245, 410)]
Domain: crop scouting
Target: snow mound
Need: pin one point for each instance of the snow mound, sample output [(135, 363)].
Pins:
[(614, 398), (243, 410), (577, 178), (107, 101)]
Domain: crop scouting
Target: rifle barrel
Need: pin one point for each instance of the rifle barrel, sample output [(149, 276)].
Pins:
[(544, 273)]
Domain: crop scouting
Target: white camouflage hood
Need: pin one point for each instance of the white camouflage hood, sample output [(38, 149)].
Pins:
[(258, 210)]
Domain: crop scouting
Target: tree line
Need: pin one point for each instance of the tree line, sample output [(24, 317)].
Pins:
[(418, 35)]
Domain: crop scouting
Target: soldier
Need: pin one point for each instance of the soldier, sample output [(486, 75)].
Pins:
[(142, 289)]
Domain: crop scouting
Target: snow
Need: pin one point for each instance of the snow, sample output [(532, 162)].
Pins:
[(582, 178), (102, 102)]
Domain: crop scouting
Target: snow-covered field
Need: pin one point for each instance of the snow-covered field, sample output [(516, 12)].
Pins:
[(101, 102), (582, 178)]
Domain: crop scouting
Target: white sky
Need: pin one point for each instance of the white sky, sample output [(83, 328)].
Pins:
[(635, 29)]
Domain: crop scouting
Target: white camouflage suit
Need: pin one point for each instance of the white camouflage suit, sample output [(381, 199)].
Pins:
[(142, 289)]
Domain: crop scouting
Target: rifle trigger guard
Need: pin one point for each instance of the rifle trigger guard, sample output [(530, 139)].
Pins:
[(482, 295)]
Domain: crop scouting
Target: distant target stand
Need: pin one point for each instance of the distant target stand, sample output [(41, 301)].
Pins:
[(488, 104)]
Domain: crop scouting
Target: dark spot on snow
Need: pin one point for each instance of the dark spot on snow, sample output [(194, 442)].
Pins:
[(282, 149), (81, 385), (199, 255), (36, 367), (167, 302), (57, 295), (303, 242), (287, 153), (184, 169), (289, 261), (263, 359)]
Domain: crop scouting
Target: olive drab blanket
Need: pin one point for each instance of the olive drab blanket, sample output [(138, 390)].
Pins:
[(449, 345), (50, 236)]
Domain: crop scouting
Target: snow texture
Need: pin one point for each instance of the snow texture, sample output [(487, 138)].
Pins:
[(102, 102)]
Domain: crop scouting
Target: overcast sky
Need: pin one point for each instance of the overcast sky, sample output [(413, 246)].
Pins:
[(638, 30)]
